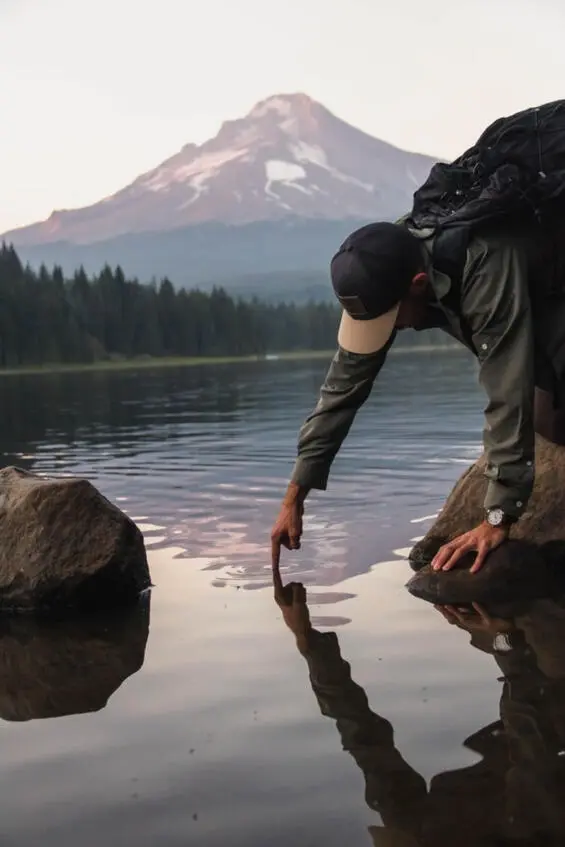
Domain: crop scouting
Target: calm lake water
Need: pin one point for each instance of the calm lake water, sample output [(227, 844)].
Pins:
[(197, 720)]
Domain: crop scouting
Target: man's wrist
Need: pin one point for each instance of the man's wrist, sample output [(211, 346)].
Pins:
[(498, 518), (295, 494)]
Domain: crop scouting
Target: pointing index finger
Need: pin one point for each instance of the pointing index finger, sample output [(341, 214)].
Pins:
[(275, 553)]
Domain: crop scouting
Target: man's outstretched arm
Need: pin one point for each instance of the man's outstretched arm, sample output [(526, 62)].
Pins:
[(346, 387)]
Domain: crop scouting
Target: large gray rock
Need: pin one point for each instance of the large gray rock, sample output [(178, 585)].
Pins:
[(542, 524), (51, 668), (535, 556), (62, 544), (515, 571)]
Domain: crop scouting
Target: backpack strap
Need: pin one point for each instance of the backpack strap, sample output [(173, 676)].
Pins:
[(450, 252)]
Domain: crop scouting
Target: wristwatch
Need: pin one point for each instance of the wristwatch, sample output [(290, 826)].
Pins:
[(502, 643), (498, 517)]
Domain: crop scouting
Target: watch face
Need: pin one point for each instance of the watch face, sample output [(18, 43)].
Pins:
[(495, 517), (501, 643)]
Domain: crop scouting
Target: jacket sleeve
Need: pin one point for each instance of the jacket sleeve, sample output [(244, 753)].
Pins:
[(393, 788), (496, 306), (347, 385)]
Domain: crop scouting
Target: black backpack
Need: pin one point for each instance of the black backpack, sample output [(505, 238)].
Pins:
[(514, 174)]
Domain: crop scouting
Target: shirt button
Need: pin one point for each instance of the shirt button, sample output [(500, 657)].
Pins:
[(484, 346), (519, 504), (529, 464)]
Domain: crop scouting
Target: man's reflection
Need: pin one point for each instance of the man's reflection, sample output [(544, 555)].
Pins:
[(512, 795)]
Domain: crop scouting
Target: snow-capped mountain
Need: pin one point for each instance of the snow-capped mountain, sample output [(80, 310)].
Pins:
[(289, 156)]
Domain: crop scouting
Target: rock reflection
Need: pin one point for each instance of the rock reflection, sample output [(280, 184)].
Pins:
[(54, 668), (513, 795)]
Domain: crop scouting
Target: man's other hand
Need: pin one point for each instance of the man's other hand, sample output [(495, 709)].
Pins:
[(475, 619), (484, 538)]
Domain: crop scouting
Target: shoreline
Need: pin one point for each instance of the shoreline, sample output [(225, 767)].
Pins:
[(194, 361)]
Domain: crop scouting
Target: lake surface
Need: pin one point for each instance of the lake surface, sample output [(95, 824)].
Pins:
[(206, 717)]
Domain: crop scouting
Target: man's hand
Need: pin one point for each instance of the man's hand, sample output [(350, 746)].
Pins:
[(484, 538), (287, 530), (291, 600), (477, 620)]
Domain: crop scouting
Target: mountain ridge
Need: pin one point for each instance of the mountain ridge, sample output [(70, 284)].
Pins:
[(288, 156), (271, 195)]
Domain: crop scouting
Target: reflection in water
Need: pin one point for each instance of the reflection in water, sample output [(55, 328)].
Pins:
[(218, 741), (202, 455), (51, 668), (514, 793)]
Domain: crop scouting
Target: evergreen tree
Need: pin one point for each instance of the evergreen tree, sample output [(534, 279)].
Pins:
[(45, 318)]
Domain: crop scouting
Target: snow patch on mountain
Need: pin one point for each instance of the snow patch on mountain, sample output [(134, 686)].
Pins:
[(310, 153), (279, 171), (285, 173), (201, 169), (315, 155), (199, 186)]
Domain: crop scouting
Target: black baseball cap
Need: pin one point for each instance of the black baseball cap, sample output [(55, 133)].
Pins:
[(371, 273)]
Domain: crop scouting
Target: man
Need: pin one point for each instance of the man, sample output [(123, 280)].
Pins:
[(386, 278)]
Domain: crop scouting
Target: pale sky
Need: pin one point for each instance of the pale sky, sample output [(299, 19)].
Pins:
[(95, 92)]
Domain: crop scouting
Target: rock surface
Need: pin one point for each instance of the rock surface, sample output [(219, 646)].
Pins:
[(514, 571), (62, 544), (543, 524), (67, 667)]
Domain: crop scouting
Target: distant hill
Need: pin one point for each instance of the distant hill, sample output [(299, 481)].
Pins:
[(254, 257)]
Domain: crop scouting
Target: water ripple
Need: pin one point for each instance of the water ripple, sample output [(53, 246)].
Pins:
[(205, 457)]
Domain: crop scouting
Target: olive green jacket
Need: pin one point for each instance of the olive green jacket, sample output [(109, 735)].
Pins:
[(492, 316)]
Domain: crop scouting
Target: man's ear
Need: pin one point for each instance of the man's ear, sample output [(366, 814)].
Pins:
[(419, 283)]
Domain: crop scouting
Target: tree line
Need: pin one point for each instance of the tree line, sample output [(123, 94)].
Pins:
[(46, 318)]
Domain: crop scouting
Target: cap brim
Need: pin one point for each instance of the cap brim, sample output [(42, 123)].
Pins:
[(357, 336)]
